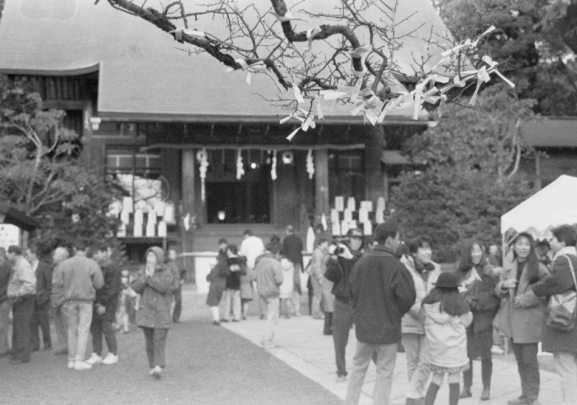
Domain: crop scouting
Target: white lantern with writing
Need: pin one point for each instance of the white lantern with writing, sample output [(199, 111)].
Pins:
[(351, 204), (162, 229), (368, 228), (348, 215), (340, 203)]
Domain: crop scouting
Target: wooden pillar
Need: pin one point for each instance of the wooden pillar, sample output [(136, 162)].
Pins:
[(188, 199), (93, 152), (322, 204), (171, 169), (374, 184), (538, 185)]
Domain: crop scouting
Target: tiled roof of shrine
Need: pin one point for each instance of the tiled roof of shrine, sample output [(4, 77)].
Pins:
[(144, 73)]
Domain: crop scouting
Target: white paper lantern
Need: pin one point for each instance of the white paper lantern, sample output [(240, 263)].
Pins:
[(336, 229), (152, 217), (348, 215), (351, 204), (127, 204), (381, 204), (340, 203), (368, 228), (150, 230), (162, 229), (137, 230), (121, 233)]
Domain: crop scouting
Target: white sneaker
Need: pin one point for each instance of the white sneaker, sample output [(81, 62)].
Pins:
[(497, 350), (71, 364), (110, 358), (156, 372), (82, 366), (94, 359)]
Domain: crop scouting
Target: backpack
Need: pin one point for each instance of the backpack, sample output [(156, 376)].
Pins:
[(561, 308)]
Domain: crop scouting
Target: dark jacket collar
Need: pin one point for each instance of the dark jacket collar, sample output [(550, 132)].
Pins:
[(382, 251)]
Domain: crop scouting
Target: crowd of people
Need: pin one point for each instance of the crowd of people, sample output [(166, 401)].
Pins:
[(84, 293), (393, 293), (389, 291)]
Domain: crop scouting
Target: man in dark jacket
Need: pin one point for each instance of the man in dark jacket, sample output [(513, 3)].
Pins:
[(382, 292), (292, 248), (342, 259), (563, 344), (41, 315), (104, 313)]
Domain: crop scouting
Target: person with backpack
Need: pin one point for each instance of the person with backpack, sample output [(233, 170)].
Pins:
[(562, 343)]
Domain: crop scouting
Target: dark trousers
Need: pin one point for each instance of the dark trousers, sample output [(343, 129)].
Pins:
[(40, 322), (100, 328), (22, 311), (155, 345), (310, 295), (177, 304), (479, 345), (342, 322), (526, 356)]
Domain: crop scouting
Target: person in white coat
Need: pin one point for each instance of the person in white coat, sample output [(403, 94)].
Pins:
[(447, 316)]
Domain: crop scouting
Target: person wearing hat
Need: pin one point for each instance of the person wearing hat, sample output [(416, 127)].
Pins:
[(447, 317), (154, 284), (382, 292), (343, 256)]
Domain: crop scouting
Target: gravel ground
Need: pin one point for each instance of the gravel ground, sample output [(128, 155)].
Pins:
[(206, 364)]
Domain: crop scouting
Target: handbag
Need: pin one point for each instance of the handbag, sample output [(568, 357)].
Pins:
[(561, 309)]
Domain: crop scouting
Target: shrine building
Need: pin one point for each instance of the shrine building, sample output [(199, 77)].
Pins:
[(200, 154)]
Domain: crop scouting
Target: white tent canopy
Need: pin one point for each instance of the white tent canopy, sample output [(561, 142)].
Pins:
[(555, 205)]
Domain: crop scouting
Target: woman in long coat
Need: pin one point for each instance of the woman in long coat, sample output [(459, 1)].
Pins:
[(477, 284), (523, 313), (154, 284)]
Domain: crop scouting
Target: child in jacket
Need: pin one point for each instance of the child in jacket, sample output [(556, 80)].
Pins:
[(447, 317)]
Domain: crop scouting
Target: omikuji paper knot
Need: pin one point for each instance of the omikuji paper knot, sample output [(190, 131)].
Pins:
[(297, 93), (179, 31), (257, 67), (493, 68), (311, 34), (319, 107), (287, 17), (468, 43), (306, 122)]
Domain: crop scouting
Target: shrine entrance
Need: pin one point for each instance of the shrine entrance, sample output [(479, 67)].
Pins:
[(231, 200)]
